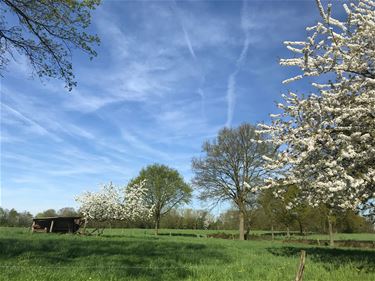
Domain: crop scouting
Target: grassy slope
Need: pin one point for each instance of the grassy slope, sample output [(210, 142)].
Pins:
[(136, 255)]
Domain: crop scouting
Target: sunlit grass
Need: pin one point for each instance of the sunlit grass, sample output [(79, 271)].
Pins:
[(136, 254)]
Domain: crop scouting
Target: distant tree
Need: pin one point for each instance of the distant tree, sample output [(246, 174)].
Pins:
[(350, 222), (166, 189), (3, 217), (173, 220), (261, 220), (46, 32), (47, 213), (232, 168), (13, 218), (303, 216), (195, 219), (286, 215), (271, 206), (25, 219), (67, 212), (229, 219), (188, 219)]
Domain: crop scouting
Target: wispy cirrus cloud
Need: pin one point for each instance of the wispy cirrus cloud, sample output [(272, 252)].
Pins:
[(246, 26), (165, 80), (145, 150), (14, 118), (36, 118), (182, 24)]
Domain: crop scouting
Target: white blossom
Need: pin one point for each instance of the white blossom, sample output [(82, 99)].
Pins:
[(113, 203), (326, 140)]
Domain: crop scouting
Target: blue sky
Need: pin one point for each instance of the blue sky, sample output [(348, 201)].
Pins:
[(168, 76)]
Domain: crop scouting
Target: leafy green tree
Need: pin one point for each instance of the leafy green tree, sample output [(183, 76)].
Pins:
[(13, 218), (47, 213), (229, 219), (166, 189), (3, 217), (271, 207), (25, 219), (172, 220), (46, 32), (67, 212)]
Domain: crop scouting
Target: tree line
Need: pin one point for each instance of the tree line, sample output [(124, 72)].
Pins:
[(306, 221), (24, 219)]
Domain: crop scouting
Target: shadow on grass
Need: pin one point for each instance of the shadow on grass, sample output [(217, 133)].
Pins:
[(363, 260), (155, 236), (181, 234), (146, 259)]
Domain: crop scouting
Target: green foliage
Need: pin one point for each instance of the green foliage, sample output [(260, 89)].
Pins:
[(166, 189), (304, 218), (46, 33), (228, 219), (187, 219), (67, 212), (14, 218), (350, 222), (47, 213), (138, 255)]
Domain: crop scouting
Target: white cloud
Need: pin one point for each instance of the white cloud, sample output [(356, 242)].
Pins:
[(231, 98), (10, 116), (143, 149)]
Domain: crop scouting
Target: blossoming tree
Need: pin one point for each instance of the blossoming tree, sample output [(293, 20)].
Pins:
[(326, 140), (114, 203)]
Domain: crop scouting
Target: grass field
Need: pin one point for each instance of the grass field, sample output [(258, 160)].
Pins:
[(122, 254), (197, 232)]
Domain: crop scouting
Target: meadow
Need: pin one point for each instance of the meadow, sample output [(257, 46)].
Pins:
[(135, 254)]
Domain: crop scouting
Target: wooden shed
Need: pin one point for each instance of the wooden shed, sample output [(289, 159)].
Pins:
[(57, 224)]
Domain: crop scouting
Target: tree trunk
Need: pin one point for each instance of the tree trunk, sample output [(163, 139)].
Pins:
[(242, 226), (287, 232), (272, 233), (247, 233), (84, 226), (300, 227), (157, 222), (330, 229)]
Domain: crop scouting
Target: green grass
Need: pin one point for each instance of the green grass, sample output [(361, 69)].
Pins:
[(343, 236), (200, 232), (135, 254)]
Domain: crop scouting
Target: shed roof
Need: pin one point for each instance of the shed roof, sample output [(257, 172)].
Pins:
[(58, 217)]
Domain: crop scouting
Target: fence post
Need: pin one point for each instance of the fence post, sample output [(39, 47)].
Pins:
[(301, 267)]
